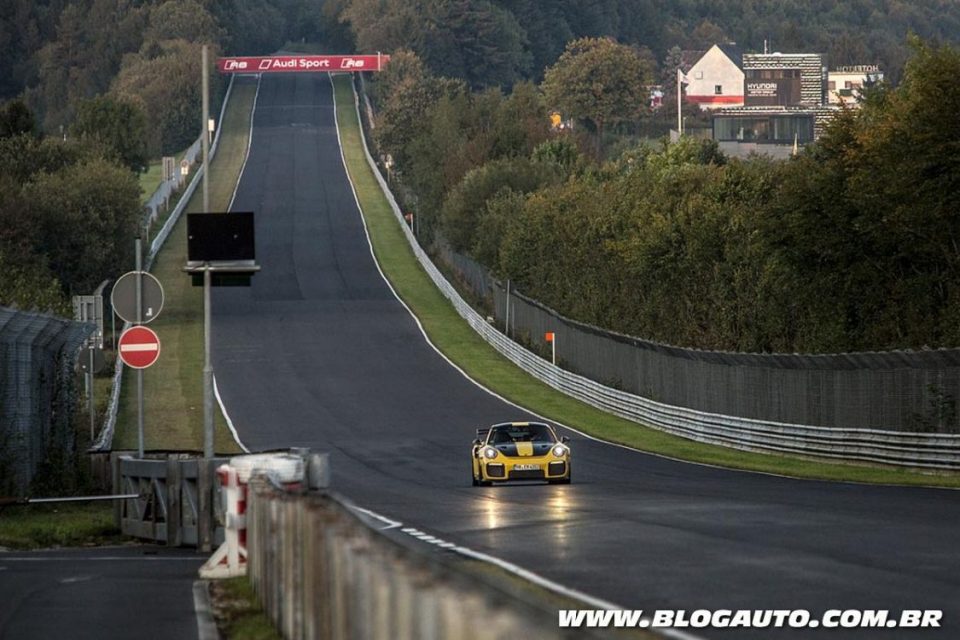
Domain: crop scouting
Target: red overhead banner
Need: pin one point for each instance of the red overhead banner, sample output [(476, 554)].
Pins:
[(274, 64)]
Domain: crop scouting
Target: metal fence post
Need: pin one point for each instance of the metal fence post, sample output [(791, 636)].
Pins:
[(174, 531)]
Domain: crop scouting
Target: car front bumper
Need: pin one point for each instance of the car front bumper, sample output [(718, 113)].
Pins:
[(505, 468)]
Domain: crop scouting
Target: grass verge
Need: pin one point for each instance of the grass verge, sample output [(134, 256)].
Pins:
[(238, 614), (454, 337), (67, 525), (173, 389)]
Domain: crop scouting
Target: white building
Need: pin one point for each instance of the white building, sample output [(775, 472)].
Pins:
[(716, 79), (844, 83)]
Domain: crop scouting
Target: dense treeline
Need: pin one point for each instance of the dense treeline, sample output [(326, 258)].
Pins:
[(68, 216), (58, 53), (90, 90), (853, 245), (498, 42)]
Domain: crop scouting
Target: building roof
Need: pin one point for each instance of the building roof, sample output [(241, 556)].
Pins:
[(732, 51)]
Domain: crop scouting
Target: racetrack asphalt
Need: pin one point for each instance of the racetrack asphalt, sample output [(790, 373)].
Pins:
[(106, 593), (319, 353)]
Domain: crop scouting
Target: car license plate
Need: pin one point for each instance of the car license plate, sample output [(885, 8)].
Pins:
[(526, 467)]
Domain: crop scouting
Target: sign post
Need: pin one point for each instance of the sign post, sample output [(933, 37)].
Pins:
[(131, 293), (551, 337), (218, 245), (204, 134)]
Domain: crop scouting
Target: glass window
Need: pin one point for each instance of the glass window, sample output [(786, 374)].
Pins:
[(521, 433), (718, 89), (775, 129)]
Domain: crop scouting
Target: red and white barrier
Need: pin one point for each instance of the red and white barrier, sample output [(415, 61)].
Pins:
[(230, 559)]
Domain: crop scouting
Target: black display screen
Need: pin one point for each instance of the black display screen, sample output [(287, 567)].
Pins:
[(213, 237)]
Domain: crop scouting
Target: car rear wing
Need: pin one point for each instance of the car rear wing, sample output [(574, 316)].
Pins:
[(482, 433)]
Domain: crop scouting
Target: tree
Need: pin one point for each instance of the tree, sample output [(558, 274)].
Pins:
[(406, 111), (598, 80), (81, 61), (252, 27), (182, 19), (668, 72), (477, 41), (28, 284), (705, 35), (16, 118), (118, 123), (165, 80), (387, 25), (86, 218), (466, 204), (473, 40)]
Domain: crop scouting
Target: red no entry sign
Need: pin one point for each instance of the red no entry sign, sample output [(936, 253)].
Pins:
[(139, 347)]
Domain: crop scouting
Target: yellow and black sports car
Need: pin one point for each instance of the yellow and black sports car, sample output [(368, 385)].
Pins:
[(520, 451)]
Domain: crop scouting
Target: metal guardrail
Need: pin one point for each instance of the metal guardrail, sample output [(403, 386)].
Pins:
[(104, 441), (918, 450), (167, 188)]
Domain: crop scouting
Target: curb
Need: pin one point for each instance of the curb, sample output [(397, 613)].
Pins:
[(206, 625)]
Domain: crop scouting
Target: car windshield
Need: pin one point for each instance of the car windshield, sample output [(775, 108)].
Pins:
[(520, 433)]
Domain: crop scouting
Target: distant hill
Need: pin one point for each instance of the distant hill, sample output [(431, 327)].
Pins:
[(498, 41)]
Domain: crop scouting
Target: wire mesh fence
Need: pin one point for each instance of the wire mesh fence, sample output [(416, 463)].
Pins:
[(38, 394), (912, 391)]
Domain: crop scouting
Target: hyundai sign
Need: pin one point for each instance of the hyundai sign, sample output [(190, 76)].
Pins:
[(300, 64)]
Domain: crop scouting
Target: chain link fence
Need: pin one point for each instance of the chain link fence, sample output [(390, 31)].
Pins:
[(38, 394)]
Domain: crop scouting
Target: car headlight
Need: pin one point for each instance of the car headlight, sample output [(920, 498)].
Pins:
[(560, 451), (490, 452)]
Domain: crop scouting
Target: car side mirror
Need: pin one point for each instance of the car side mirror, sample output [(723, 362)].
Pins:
[(476, 441), (564, 439)]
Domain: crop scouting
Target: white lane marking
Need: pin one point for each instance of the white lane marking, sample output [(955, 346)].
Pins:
[(216, 390), (246, 156), (75, 579), (526, 574), (390, 524), (226, 416)]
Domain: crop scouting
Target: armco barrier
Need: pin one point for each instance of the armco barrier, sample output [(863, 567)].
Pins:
[(918, 450), (320, 572)]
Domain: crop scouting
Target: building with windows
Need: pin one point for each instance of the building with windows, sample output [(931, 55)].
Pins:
[(844, 84), (783, 100), (784, 79), (716, 78), (784, 105)]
